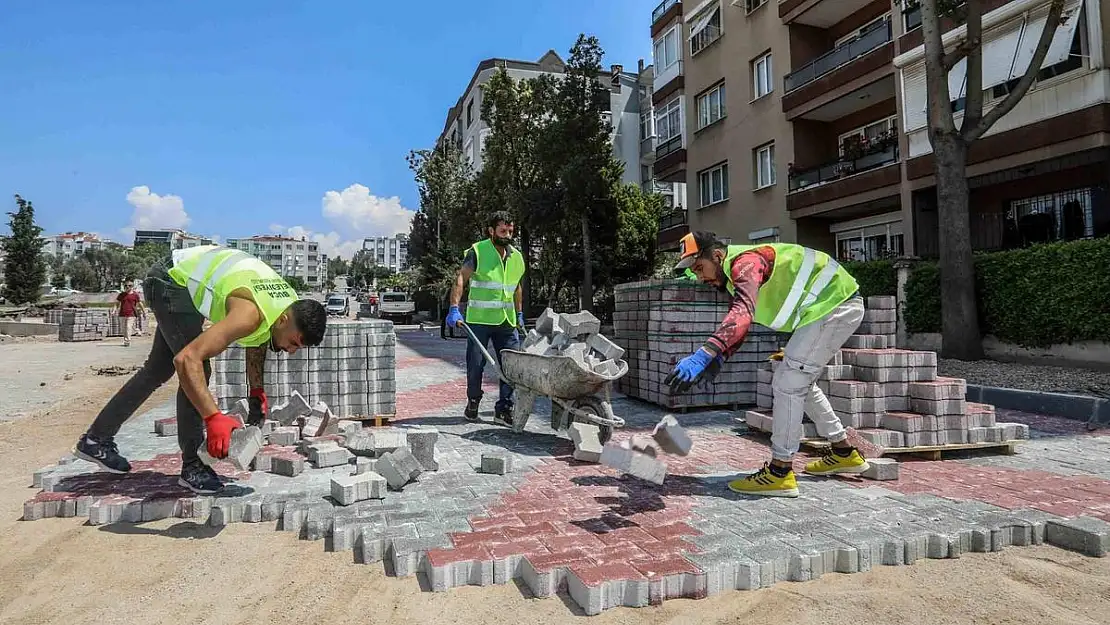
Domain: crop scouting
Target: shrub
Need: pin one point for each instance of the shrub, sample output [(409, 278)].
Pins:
[(875, 277)]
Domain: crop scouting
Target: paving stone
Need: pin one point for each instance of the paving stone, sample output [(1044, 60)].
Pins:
[(328, 455), (602, 345), (497, 463), (578, 324), (1086, 535), (587, 444), (671, 438), (166, 427), (288, 411), (422, 443), (398, 467), (245, 444), (883, 469), (350, 489), (376, 441), (289, 466)]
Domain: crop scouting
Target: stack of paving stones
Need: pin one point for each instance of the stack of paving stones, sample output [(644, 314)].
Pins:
[(352, 371), (83, 324), (893, 397), (660, 322)]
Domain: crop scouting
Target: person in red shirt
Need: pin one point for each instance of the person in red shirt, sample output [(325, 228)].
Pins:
[(129, 306)]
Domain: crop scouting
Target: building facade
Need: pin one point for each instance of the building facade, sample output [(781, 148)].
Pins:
[(392, 252), (70, 244), (804, 121), (175, 239), (464, 126), (288, 256)]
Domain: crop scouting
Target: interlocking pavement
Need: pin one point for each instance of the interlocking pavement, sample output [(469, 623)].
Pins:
[(610, 540)]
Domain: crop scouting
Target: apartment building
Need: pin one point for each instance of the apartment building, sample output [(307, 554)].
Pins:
[(465, 128), (287, 256), (175, 239), (392, 252), (674, 193), (806, 123), (70, 244)]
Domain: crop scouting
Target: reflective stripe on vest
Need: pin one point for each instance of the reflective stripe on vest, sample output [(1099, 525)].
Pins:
[(212, 266)]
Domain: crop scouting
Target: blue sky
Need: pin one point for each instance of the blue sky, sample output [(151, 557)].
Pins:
[(233, 118)]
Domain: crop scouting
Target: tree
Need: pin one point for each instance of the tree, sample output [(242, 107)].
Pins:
[(82, 275), (960, 315), (297, 283), (24, 269), (56, 266), (336, 267)]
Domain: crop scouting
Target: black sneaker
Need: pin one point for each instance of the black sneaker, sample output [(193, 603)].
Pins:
[(503, 415), (471, 412), (200, 478), (103, 453)]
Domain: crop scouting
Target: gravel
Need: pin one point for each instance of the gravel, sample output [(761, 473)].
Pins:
[(1029, 377)]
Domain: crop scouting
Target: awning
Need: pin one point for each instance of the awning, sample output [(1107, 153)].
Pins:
[(703, 20), (1057, 50)]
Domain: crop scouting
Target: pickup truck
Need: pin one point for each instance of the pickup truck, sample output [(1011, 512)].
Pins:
[(397, 307)]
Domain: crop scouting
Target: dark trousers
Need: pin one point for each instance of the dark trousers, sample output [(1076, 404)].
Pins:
[(178, 324), (503, 336)]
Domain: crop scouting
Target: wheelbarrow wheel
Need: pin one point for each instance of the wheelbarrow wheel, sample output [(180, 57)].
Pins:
[(594, 406)]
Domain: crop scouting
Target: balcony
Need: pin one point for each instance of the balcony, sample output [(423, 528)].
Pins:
[(658, 186), (818, 13), (670, 160), (668, 81), (672, 227), (842, 55), (647, 146), (664, 12), (868, 174)]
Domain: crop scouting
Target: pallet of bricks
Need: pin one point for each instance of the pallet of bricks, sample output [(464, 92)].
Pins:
[(893, 397), (660, 322), (352, 371), (82, 324)]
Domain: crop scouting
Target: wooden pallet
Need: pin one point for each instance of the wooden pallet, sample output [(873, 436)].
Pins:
[(928, 452), (376, 421)]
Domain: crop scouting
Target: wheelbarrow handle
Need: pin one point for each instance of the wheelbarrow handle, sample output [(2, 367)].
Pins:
[(489, 358)]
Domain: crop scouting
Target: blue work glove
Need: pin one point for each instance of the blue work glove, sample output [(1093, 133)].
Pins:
[(689, 370), (520, 321), (454, 317)]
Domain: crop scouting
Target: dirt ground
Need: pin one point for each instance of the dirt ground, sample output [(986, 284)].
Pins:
[(60, 571)]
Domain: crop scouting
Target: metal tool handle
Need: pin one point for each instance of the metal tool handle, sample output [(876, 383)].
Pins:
[(489, 358)]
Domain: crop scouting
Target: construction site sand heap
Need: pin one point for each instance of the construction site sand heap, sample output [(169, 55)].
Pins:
[(893, 396), (662, 321)]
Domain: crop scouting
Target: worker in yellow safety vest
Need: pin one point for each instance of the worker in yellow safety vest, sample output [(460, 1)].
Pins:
[(493, 269), (249, 304), (788, 288)]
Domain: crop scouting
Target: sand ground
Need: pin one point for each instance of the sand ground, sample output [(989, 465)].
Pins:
[(60, 571)]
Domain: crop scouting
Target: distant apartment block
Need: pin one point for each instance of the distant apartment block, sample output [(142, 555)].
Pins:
[(287, 256), (70, 244), (621, 91), (804, 121), (392, 252), (175, 239)]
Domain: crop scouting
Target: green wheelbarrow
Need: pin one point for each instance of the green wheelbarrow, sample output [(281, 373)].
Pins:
[(576, 392)]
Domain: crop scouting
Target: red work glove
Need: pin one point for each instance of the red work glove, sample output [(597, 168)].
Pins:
[(218, 428), (259, 406)]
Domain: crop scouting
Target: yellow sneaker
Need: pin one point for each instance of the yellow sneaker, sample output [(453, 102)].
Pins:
[(832, 463), (766, 484)]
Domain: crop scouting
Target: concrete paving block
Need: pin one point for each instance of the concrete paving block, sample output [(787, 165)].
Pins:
[(546, 322), (166, 427), (262, 462), (376, 441), (641, 444), (364, 465), (883, 438), (602, 345), (398, 467), (539, 347), (348, 427), (608, 368), (882, 469), (349, 489), (285, 436), (587, 444), (245, 444), (866, 341), (1014, 431), (626, 460), (1087, 535), (596, 595), (329, 456), (939, 407), (288, 411), (422, 443), (531, 338), (410, 555), (497, 463), (289, 466), (579, 324), (671, 437), (882, 302), (461, 566)]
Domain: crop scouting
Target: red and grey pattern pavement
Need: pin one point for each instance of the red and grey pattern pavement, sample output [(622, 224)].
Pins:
[(610, 540)]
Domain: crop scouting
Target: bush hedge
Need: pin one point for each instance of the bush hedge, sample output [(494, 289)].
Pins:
[(1033, 297)]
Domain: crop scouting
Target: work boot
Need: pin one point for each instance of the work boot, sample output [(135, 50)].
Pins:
[(200, 478), (103, 453), (766, 484), (846, 460), (503, 414), (471, 412)]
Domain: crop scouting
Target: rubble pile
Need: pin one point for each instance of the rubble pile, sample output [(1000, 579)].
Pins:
[(578, 336)]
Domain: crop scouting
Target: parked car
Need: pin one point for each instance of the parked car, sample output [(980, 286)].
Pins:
[(397, 306), (338, 305)]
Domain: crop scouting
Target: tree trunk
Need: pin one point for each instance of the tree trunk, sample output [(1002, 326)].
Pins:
[(959, 312), (526, 282), (587, 268)]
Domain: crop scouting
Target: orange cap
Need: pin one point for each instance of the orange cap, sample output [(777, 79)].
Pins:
[(688, 252)]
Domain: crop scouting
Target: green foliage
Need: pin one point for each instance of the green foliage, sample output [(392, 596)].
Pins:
[(297, 283), (337, 267), (150, 253), (922, 306), (56, 267), (875, 277), (24, 269)]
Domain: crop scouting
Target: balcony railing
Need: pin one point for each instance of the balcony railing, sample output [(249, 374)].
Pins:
[(647, 146), (670, 145), (658, 186), (875, 157), (842, 55), (663, 7), (675, 218)]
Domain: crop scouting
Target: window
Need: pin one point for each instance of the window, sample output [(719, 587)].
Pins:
[(752, 5), (711, 106), (647, 125), (1056, 217), (468, 151), (469, 113), (762, 76), (706, 29), (1070, 64), (668, 120), (666, 50), (713, 184), (878, 22), (871, 133), (764, 165)]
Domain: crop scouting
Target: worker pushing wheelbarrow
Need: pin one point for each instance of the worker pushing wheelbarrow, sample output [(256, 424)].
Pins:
[(576, 392)]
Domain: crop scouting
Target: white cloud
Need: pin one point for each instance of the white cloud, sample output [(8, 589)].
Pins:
[(354, 213), (155, 211)]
